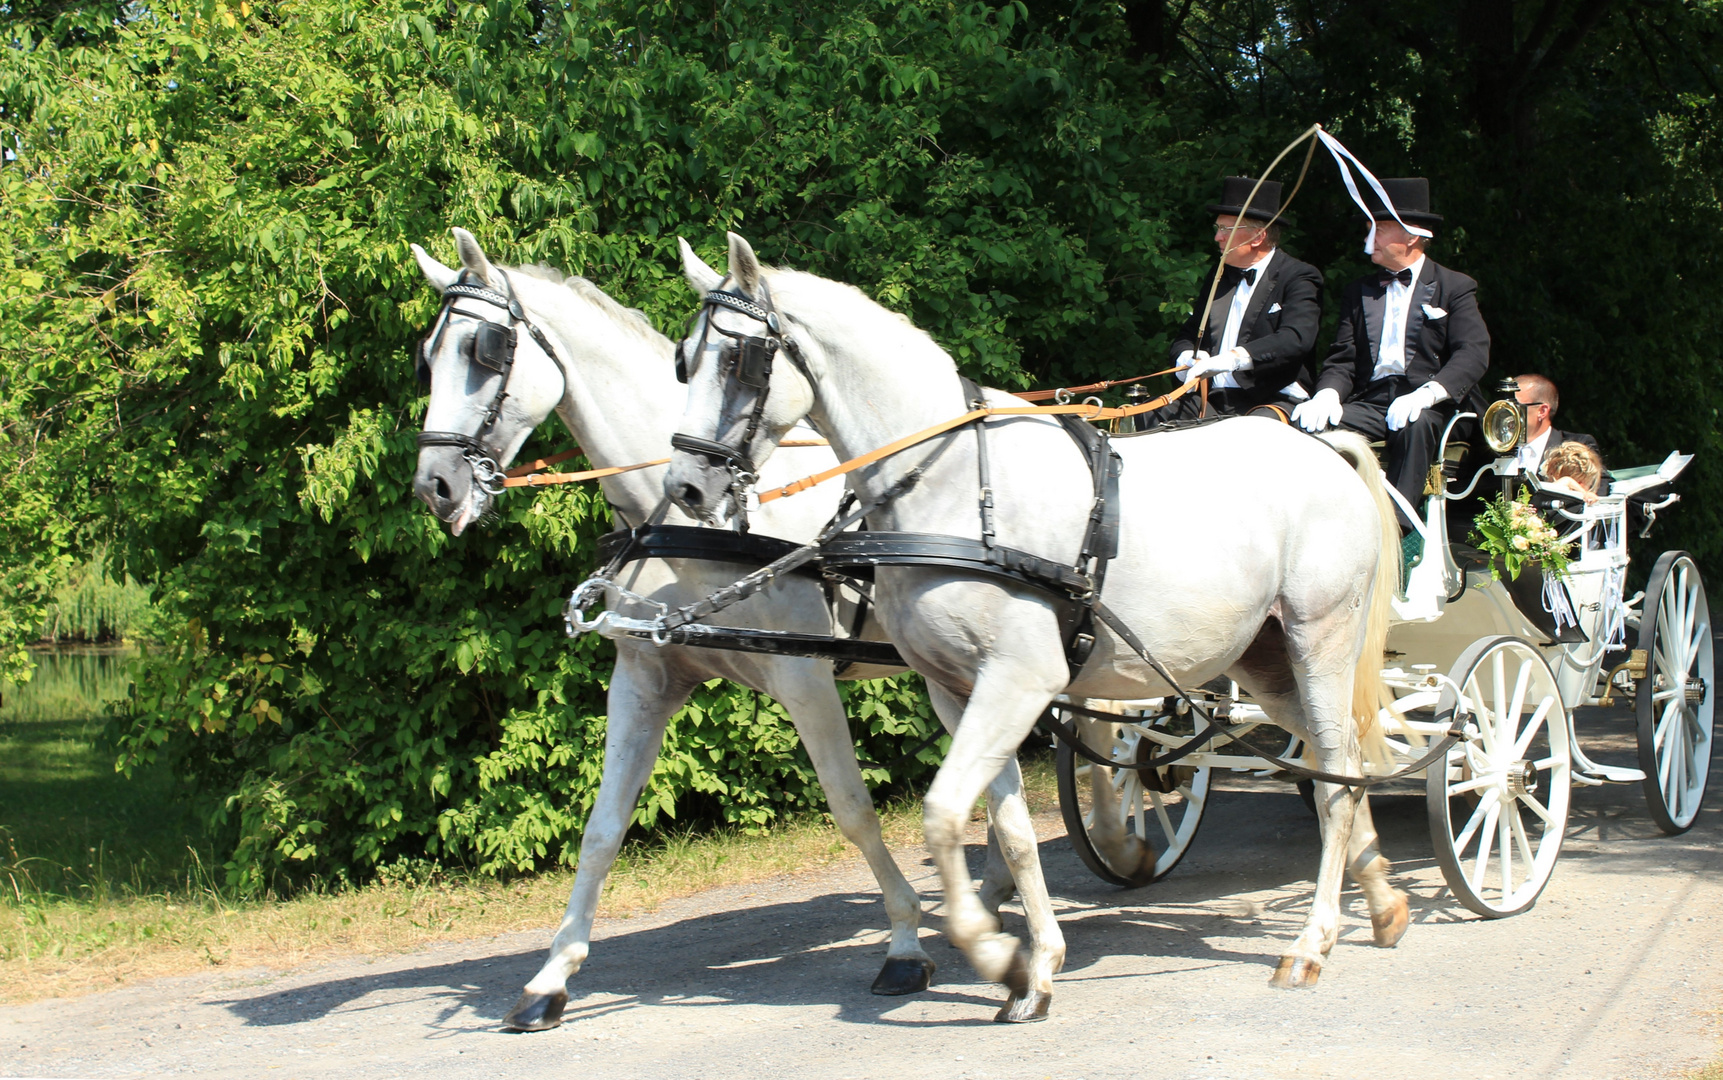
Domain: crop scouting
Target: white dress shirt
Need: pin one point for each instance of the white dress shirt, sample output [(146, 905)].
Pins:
[(1531, 455), (1391, 354), (1241, 294)]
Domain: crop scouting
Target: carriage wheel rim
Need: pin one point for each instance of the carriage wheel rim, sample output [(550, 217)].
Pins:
[(1499, 802), (1147, 814), (1676, 699)]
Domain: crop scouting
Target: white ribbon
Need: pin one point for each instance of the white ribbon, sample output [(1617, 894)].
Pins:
[(1557, 604), (1341, 157)]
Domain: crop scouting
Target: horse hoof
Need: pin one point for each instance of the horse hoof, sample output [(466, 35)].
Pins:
[(536, 1012), (904, 975), (1390, 925), (1296, 973), (1024, 1008)]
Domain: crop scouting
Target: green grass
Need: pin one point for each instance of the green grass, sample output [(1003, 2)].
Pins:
[(69, 824)]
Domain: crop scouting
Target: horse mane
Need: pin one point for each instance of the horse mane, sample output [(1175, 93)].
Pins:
[(630, 319), (787, 283)]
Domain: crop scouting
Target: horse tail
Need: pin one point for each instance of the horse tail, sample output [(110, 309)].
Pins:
[(1369, 692)]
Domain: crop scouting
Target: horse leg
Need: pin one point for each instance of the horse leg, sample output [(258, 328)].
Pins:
[(997, 884), (996, 718), (818, 712), (1317, 708), (643, 695), (1123, 850), (1389, 912), (1015, 828)]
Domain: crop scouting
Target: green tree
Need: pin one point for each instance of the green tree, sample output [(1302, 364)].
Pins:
[(209, 309)]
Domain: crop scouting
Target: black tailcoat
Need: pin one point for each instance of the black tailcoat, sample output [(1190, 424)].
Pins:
[(1446, 339), (1278, 329)]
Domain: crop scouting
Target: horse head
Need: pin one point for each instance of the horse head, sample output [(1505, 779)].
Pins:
[(493, 377), (750, 379)]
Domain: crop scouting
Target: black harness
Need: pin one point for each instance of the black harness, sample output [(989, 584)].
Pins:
[(1074, 586), (752, 368), (493, 349)]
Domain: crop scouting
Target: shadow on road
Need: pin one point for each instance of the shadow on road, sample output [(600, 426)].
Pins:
[(1239, 897)]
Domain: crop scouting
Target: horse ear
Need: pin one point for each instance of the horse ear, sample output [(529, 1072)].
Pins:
[(473, 256), (440, 276), (701, 278), (744, 266)]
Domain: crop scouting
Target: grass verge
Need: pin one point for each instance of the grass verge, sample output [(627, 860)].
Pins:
[(55, 946)]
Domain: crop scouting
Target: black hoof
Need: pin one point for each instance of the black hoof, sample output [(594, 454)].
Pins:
[(903, 975), (536, 1012), (1025, 1009)]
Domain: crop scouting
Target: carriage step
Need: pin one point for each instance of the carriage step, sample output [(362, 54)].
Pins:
[(1609, 774)]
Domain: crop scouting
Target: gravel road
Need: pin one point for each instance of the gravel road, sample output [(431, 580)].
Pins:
[(1614, 974)]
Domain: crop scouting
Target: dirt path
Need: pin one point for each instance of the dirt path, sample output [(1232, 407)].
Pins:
[(1615, 974)]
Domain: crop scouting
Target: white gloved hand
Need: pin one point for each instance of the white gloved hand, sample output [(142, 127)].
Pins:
[(1321, 411), (1226, 363), (1408, 407), (1183, 364)]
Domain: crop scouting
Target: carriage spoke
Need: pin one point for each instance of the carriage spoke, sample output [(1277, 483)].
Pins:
[(1499, 665), (1474, 784), (1161, 814), (1486, 838), (1484, 805), (1517, 708), (1522, 841), (1531, 803), (1532, 727), (1504, 842)]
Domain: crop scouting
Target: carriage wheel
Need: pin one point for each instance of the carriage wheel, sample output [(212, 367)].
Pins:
[(1161, 807), (1498, 806), (1674, 700)]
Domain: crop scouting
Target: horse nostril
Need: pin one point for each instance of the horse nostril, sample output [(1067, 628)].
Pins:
[(690, 496), (442, 488)]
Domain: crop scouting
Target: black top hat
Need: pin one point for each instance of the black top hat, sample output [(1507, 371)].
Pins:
[(1234, 190), (1410, 195)]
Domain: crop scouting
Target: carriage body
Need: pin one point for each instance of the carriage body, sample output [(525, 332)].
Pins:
[(1463, 657)]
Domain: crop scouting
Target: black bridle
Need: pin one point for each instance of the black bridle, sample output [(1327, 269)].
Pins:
[(751, 368), (492, 348)]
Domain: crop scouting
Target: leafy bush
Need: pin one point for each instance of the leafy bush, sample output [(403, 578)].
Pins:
[(208, 306)]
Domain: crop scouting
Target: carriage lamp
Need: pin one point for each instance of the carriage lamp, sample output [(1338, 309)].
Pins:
[(1505, 420), (1124, 425)]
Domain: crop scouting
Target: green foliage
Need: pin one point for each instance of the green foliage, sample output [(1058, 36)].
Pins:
[(207, 309), (1574, 149)]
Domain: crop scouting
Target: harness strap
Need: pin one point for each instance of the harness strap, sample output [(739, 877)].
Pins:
[(1087, 412)]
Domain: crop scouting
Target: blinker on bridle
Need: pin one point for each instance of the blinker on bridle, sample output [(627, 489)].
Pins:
[(492, 348), (752, 368)]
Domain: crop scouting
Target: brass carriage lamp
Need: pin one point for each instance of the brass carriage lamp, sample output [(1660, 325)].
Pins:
[(1504, 421)]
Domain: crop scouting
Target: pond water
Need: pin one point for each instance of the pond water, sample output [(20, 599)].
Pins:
[(69, 684), (69, 822)]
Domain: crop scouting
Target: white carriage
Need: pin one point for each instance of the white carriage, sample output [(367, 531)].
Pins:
[(1462, 656)]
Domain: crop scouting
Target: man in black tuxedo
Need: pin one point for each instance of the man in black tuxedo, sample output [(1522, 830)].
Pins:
[(1261, 330), (1411, 345), (1541, 400)]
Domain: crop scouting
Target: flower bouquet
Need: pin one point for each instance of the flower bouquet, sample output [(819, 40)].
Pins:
[(1514, 533)]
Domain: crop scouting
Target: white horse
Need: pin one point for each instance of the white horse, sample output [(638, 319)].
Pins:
[(1291, 601), (612, 382)]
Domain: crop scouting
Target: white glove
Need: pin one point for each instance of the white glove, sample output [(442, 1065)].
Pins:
[(1183, 364), (1234, 359), (1321, 411), (1408, 407)]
